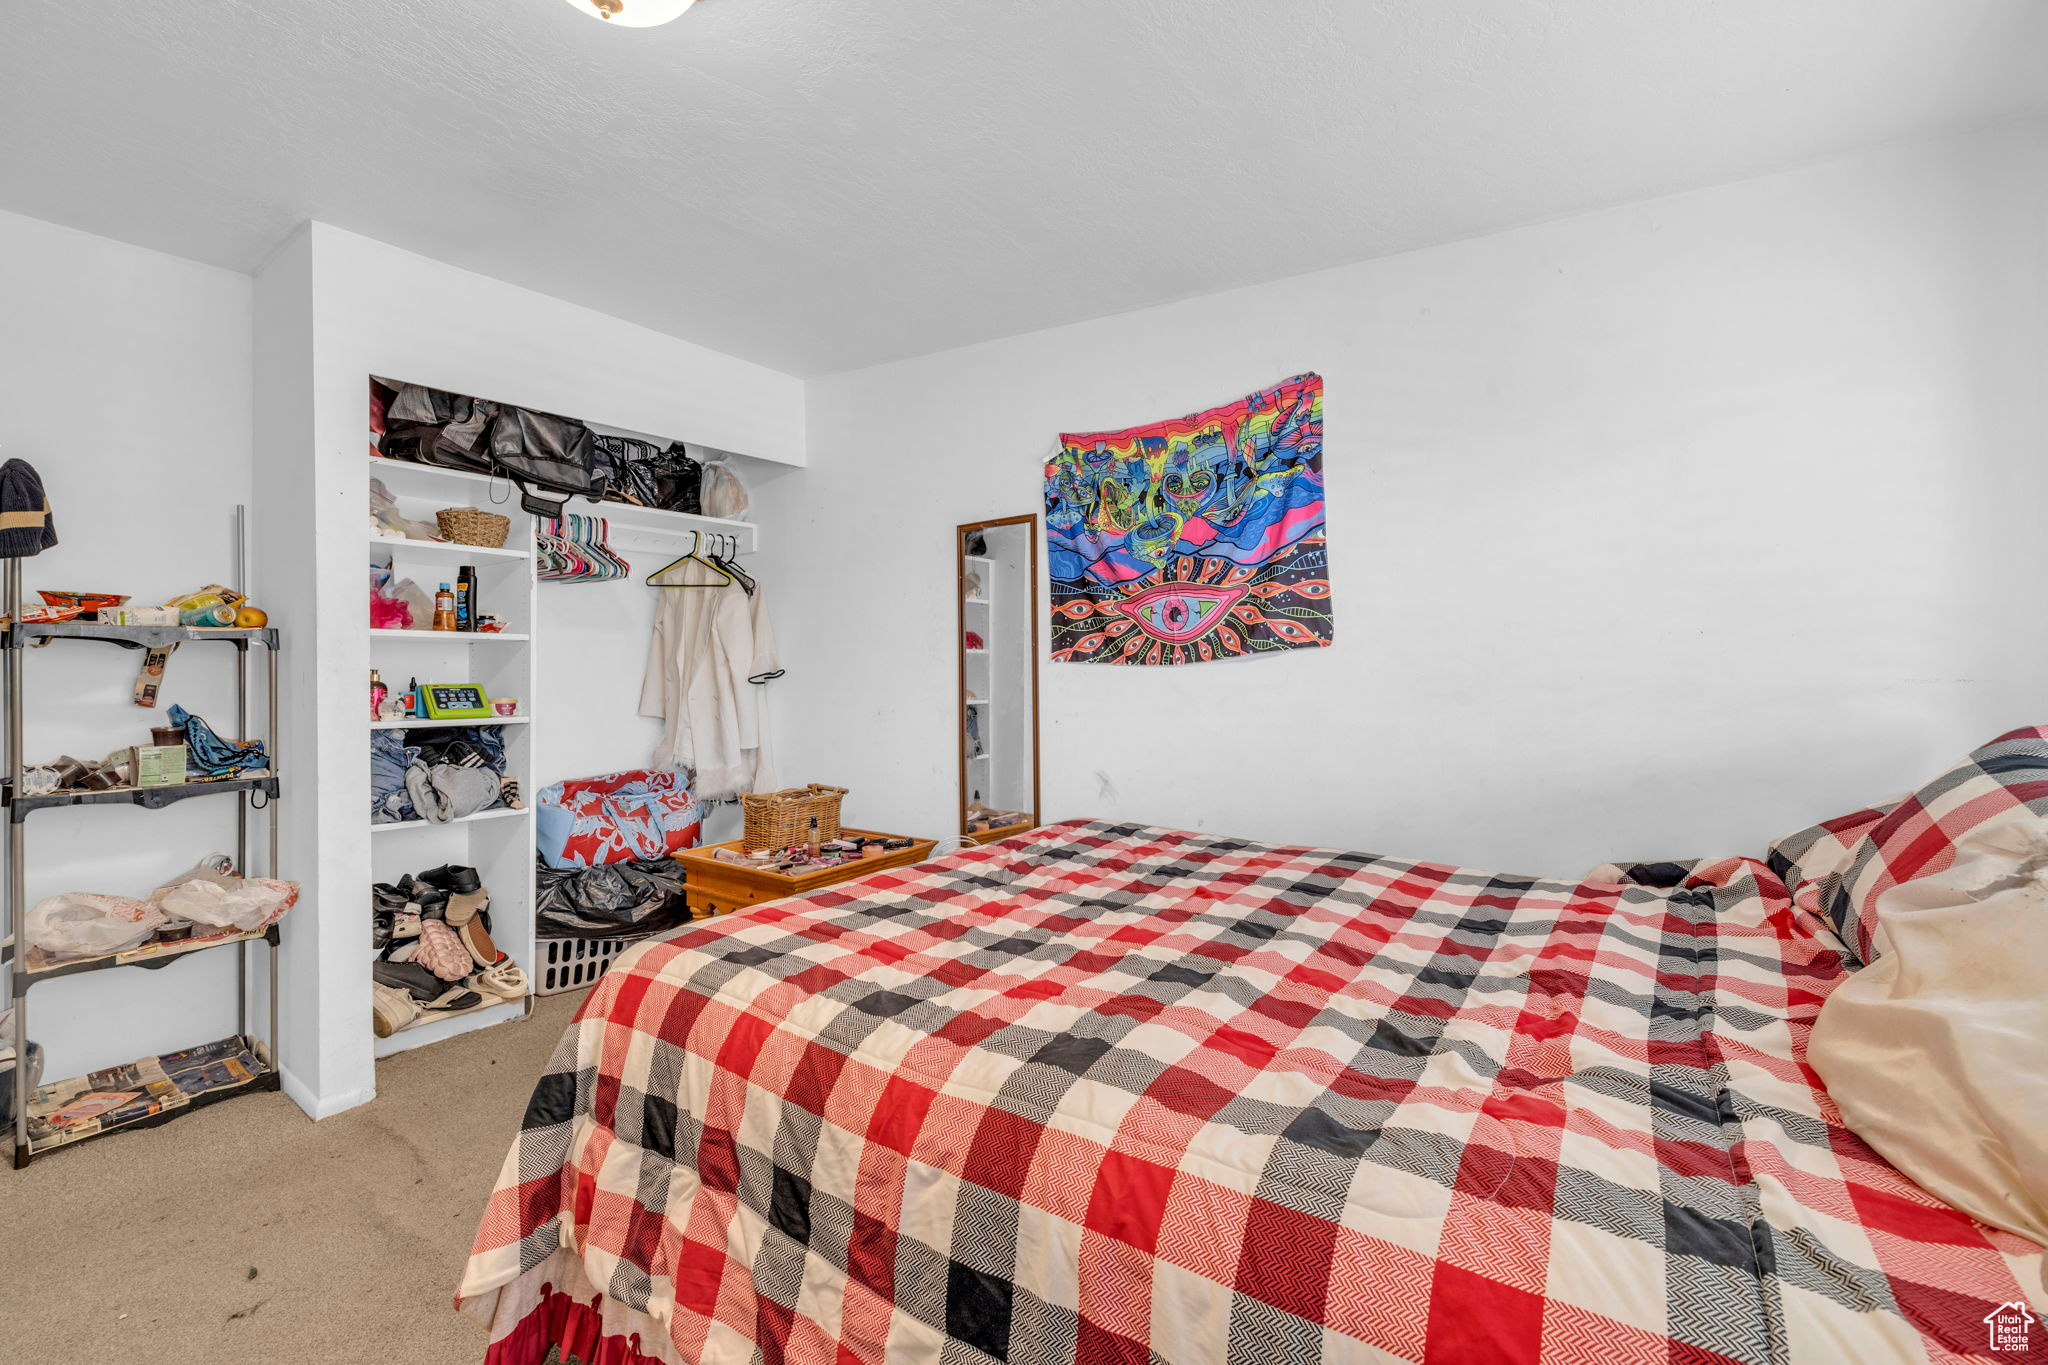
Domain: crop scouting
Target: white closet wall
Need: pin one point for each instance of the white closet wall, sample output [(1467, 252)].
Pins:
[(333, 309), (126, 384)]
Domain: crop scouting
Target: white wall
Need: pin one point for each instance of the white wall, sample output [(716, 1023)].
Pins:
[(1655, 532), (125, 380), (333, 309)]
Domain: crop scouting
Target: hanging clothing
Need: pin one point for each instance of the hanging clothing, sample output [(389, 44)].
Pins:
[(710, 645)]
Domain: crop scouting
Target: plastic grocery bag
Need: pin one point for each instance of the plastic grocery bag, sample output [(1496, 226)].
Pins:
[(244, 905), (84, 924), (723, 494)]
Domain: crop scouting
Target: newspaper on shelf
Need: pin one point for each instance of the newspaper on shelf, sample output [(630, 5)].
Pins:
[(68, 1110)]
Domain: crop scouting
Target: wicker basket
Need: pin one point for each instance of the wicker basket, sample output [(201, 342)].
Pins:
[(778, 820), (473, 526)]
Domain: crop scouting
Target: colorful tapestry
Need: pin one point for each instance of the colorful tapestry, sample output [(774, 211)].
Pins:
[(1193, 539)]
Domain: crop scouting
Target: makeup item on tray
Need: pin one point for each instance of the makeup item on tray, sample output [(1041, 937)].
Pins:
[(465, 598), (444, 608), (811, 843)]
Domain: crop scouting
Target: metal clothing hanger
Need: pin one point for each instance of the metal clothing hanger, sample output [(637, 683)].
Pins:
[(696, 544)]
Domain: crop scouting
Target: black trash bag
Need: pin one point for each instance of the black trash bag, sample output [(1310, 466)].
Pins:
[(649, 476), (543, 454), (611, 900)]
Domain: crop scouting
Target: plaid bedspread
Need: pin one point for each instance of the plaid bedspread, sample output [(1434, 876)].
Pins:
[(1106, 1093)]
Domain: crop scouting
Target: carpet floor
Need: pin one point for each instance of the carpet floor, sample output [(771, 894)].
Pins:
[(247, 1233)]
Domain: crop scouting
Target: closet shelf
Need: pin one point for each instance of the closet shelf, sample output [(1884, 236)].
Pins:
[(150, 798), (166, 1106), (448, 548), (138, 637), (450, 1023), (428, 724), (974, 651), (35, 965), (977, 701), (462, 637), (975, 601), (463, 484), (500, 813)]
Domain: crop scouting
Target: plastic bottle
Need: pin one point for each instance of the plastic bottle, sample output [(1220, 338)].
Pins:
[(377, 693), (465, 597), (444, 609), (811, 844)]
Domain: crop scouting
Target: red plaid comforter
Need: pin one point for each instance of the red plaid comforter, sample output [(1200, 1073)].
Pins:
[(1105, 1093)]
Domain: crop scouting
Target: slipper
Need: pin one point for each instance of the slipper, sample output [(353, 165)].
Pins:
[(392, 1010), (453, 1001), (441, 952), (502, 979), (477, 939)]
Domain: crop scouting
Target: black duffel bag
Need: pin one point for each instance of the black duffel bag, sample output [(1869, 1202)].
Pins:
[(432, 426), (543, 453)]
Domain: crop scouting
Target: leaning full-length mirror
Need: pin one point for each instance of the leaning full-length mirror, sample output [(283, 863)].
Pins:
[(998, 646)]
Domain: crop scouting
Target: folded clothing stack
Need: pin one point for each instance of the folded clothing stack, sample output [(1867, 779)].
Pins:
[(438, 775), (435, 957)]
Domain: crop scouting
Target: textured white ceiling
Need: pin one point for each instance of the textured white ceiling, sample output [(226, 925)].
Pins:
[(819, 184)]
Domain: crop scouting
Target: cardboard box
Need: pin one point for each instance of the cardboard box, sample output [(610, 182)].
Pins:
[(159, 765), (138, 616)]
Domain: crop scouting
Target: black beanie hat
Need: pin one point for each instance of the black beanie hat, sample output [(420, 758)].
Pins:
[(25, 524)]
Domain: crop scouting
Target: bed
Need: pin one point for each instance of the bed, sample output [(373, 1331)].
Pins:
[(1108, 1093)]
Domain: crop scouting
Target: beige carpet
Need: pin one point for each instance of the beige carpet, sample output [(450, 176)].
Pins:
[(248, 1233)]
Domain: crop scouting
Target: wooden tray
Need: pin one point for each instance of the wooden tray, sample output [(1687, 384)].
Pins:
[(719, 888)]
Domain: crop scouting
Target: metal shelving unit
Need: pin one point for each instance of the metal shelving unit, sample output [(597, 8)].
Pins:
[(24, 967)]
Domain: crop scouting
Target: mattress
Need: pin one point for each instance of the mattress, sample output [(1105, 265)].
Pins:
[(1106, 1093)]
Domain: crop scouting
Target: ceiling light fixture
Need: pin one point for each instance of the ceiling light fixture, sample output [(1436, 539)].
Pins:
[(634, 13)]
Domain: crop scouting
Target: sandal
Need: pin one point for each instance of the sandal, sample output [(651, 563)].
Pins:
[(453, 1002), (502, 979), (477, 939)]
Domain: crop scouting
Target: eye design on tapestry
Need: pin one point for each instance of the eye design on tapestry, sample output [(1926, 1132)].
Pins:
[(1178, 613), (1194, 539)]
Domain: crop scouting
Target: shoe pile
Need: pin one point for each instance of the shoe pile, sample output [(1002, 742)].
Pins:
[(435, 958)]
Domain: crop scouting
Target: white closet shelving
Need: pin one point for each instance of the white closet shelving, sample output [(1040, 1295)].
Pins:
[(499, 842)]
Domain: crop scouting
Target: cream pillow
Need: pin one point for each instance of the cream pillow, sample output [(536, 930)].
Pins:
[(1937, 1052)]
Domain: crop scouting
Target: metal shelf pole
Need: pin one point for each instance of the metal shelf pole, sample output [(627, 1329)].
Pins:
[(17, 876)]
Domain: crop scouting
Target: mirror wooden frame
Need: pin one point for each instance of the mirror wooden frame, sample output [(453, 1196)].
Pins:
[(960, 534)]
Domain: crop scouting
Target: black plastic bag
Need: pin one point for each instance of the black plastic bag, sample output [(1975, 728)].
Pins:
[(611, 900), (649, 476)]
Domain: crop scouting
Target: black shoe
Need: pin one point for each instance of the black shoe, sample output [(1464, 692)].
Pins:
[(456, 880), (410, 977)]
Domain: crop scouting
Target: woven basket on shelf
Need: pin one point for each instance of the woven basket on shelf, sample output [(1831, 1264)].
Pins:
[(778, 820), (473, 526)]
